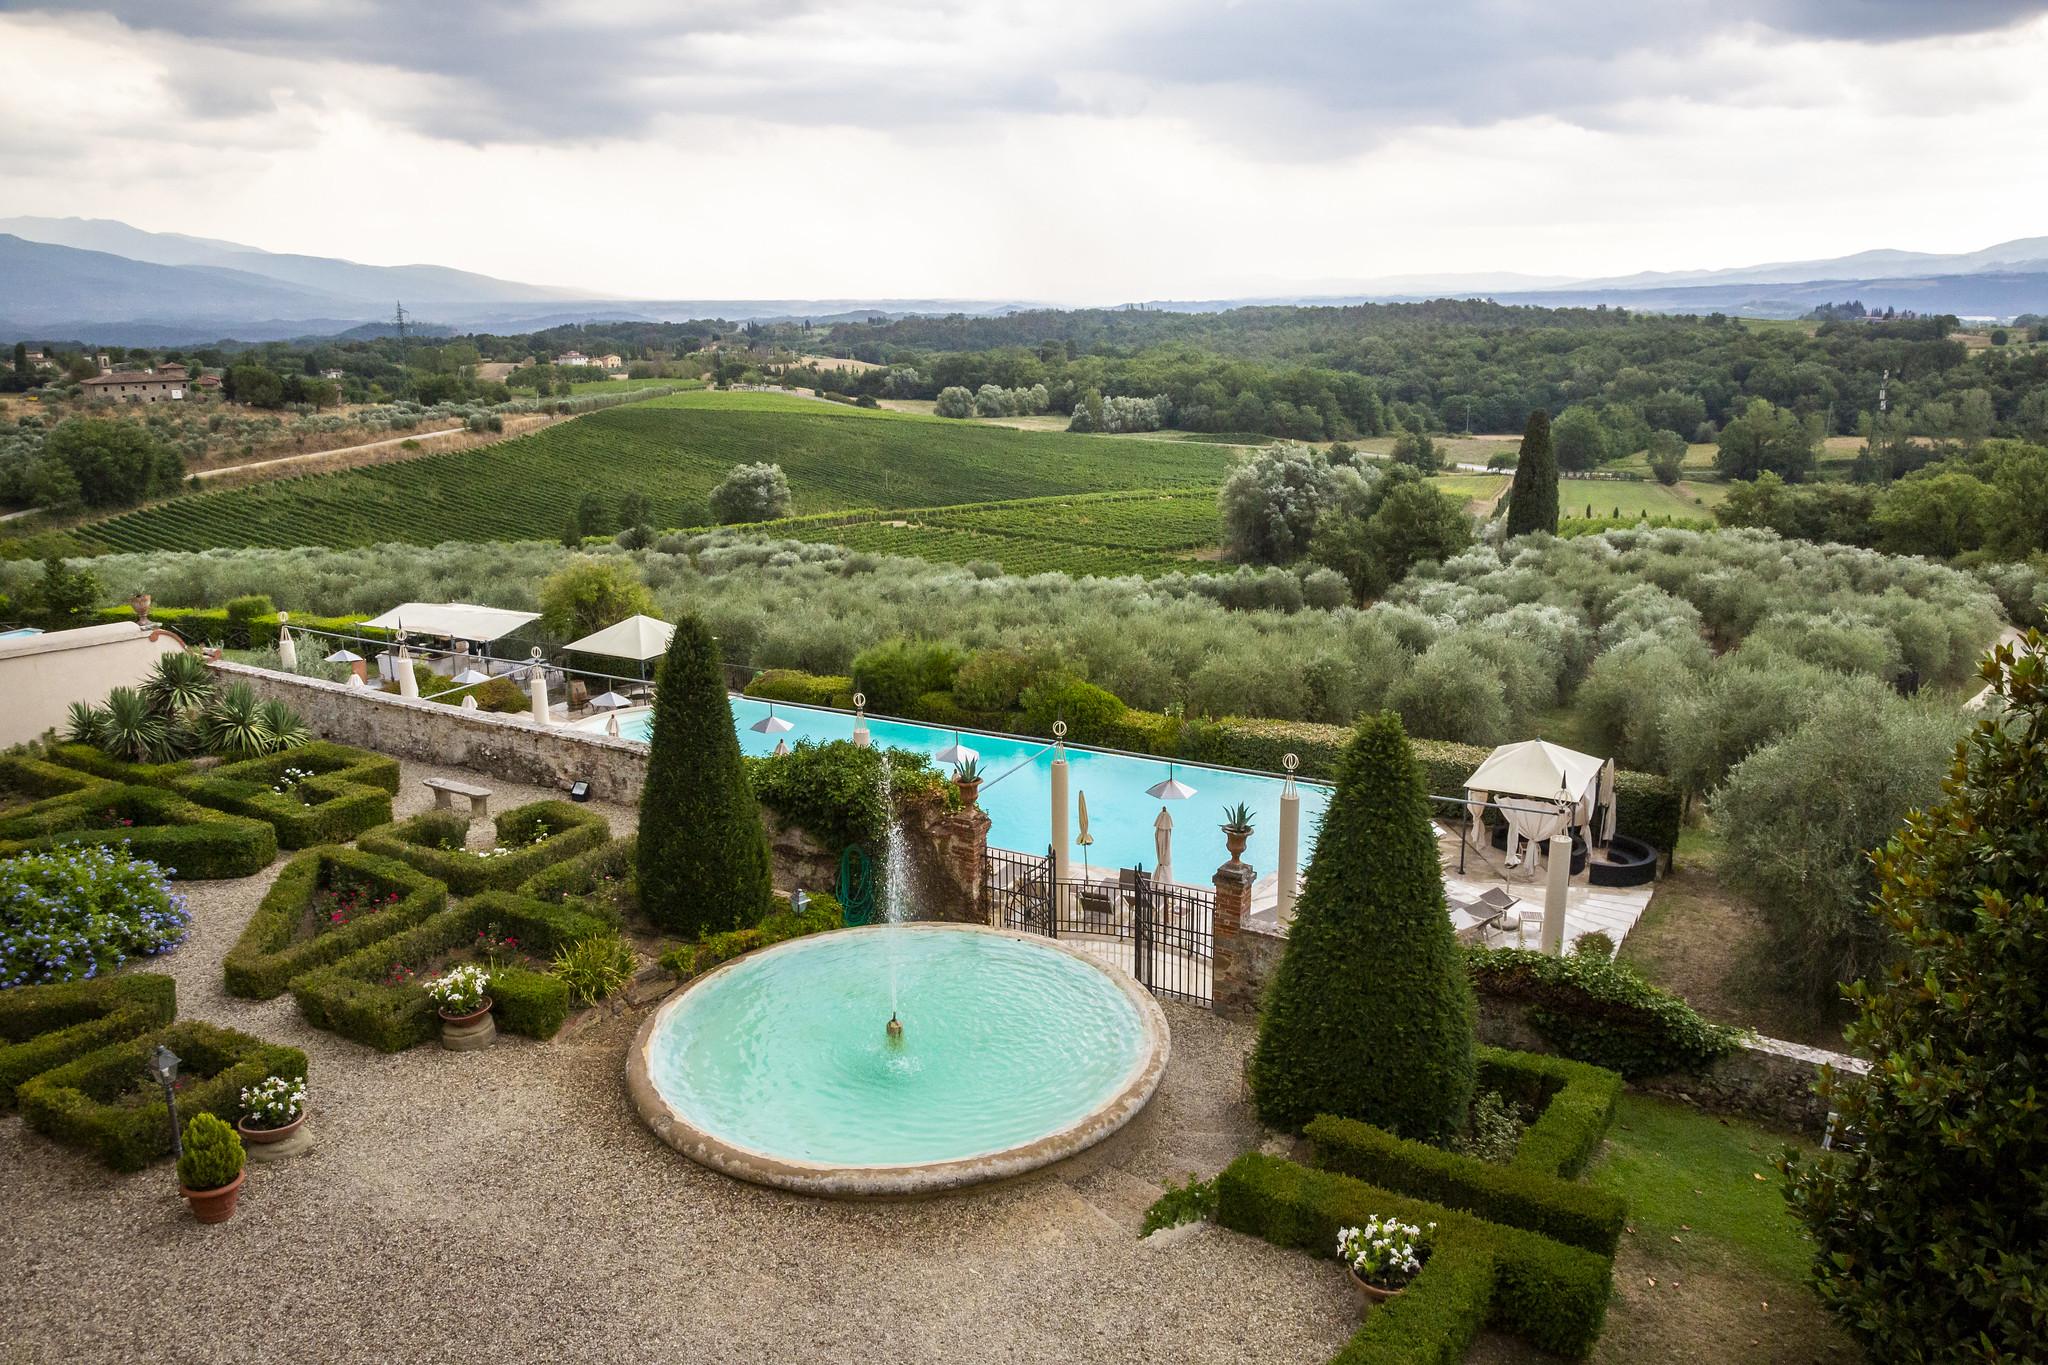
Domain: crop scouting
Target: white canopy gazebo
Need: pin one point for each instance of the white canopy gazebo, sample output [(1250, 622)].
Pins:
[(637, 637), (462, 622), (1543, 789)]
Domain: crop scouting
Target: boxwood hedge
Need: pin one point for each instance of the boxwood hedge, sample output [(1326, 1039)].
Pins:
[(26, 781), (104, 1102), (43, 1027), (86, 759), (350, 791), (567, 830), (271, 951), (1479, 1274), (1534, 1190), (1598, 1009), (603, 881), (358, 997), (188, 840)]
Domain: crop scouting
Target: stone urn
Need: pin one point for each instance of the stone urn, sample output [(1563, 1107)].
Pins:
[(1235, 840), (970, 787), (141, 603), (215, 1206), (273, 1144), (468, 1032)]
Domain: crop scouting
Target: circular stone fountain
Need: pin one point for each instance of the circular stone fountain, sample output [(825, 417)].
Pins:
[(1014, 1052)]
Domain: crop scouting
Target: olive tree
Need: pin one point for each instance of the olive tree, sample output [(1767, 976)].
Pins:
[(751, 492)]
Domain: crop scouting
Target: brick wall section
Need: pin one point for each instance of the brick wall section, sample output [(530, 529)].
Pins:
[(1238, 968), (947, 849)]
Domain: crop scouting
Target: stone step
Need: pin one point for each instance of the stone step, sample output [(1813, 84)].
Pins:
[(1117, 1195)]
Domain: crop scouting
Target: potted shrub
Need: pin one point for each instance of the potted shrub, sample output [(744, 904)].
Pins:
[(210, 1171), (1383, 1256), (1237, 829), (272, 1110), (463, 998), (967, 777)]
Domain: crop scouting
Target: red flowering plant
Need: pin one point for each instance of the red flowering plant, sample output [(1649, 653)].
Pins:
[(345, 900)]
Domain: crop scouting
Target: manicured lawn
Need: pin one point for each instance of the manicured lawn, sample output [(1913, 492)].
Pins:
[(1639, 498)]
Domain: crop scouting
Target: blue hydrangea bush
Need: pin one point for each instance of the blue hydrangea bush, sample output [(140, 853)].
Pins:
[(74, 913)]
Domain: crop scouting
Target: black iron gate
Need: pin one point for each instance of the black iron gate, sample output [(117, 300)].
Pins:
[(1159, 932)]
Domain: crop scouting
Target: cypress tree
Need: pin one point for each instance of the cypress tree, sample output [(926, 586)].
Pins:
[(1371, 1014), (1532, 502), (1930, 1224), (703, 856)]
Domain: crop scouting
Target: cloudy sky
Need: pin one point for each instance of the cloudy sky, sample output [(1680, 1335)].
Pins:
[(1067, 150)]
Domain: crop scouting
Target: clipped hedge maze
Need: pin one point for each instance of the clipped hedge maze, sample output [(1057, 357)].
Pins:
[(377, 996), (43, 1027), (538, 835), (286, 937), (28, 781), (105, 1103), (350, 791), (186, 839)]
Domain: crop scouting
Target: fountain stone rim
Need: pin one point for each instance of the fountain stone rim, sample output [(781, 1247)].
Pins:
[(918, 1179)]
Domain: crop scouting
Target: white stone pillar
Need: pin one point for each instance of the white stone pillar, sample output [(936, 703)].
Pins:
[(1060, 861), (408, 685), (287, 648), (1290, 841), (860, 719), (540, 695), (1557, 893)]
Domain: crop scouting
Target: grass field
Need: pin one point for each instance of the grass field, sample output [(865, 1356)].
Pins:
[(673, 450), (1638, 498)]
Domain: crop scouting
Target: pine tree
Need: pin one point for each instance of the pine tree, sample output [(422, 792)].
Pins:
[(703, 856), (1931, 1219), (1371, 1014), (1532, 502)]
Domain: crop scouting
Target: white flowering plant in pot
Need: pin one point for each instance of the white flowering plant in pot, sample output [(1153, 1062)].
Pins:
[(463, 990), (1386, 1253), (274, 1102)]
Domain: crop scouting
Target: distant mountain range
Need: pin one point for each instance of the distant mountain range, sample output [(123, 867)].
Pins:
[(95, 279)]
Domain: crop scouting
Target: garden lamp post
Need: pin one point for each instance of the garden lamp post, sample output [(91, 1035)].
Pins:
[(860, 719), (163, 1065), (1290, 839)]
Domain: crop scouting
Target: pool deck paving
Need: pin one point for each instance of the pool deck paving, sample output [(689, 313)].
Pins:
[(509, 1205)]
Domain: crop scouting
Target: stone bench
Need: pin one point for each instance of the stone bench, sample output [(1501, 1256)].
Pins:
[(446, 789)]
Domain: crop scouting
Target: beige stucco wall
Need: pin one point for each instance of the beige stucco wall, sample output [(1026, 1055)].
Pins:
[(41, 675)]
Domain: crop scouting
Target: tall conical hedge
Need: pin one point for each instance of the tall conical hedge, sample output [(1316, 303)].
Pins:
[(703, 856), (1371, 1014), (1532, 502)]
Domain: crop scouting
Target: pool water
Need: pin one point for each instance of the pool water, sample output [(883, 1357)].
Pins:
[(1016, 791), (1005, 1041)]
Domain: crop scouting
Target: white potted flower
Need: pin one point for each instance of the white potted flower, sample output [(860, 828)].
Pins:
[(272, 1110), (1383, 1256), (462, 996)]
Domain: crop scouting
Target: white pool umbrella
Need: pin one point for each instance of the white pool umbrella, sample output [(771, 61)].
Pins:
[(1084, 839), (1162, 846), (1172, 789), (469, 677), (611, 724), (771, 724), (356, 680), (469, 703), (344, 656), (781, 747), (608, 701), (956, 753)]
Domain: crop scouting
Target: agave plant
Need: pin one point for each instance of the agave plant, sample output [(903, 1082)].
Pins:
[(133, 732), (1237, 819), (178, 685), (233, 724), (968, 771), (87, 725), (286, 727)]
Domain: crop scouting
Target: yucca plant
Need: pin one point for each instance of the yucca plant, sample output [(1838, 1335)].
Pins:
[(178, 685), (233, 724), (87, 724), (287, 729), (133, 732)]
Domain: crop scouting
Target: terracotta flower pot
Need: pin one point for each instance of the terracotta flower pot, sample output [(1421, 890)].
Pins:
[(468, 1032), (1371, 1294), (1235, 840), (215, 1206), (969, 789), (259, 1137)]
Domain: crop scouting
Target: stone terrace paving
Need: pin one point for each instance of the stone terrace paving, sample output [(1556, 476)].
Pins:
[(508, 1205)]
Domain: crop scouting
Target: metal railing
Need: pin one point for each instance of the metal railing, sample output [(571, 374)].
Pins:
[(1162, 933)]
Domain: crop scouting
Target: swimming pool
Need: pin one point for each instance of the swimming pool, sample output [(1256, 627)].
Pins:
[(1016, 790)]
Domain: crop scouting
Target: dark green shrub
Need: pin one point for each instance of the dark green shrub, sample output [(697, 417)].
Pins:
[(241, 617), (278, 943), (24, 781), (1930, 1227), (1599, 1010), (1532, 500), (996, 679), (186, 839), (105, 1103), (806, 689), (1479, 1274), (377, 995), (423, 841), (1189, 1203), (1093, 714), (895, 673), (43, 1027), (833, 791), (1370, 1014), (702, 852), (778, 926), (212, 1156)]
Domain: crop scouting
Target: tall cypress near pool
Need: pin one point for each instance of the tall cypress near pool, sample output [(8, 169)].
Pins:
[(702, 856), (1532, 501), (1371, 1014)]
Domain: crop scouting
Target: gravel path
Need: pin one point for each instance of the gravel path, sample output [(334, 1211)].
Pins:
[(507, 1205)]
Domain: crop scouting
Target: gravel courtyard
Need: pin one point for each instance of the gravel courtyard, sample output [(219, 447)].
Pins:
[(508, 1206)]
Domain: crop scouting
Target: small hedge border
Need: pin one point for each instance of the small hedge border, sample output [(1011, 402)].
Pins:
[(805, 689), (1479, 1274), (43, 1027), (79, 1104), (42, 780), (355, 786), (186, 839), (352, 999), (1599, 1010), (86, 759), (465, 873), (603, 881), (268, 956), (1525, 1193), (821, 913)]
